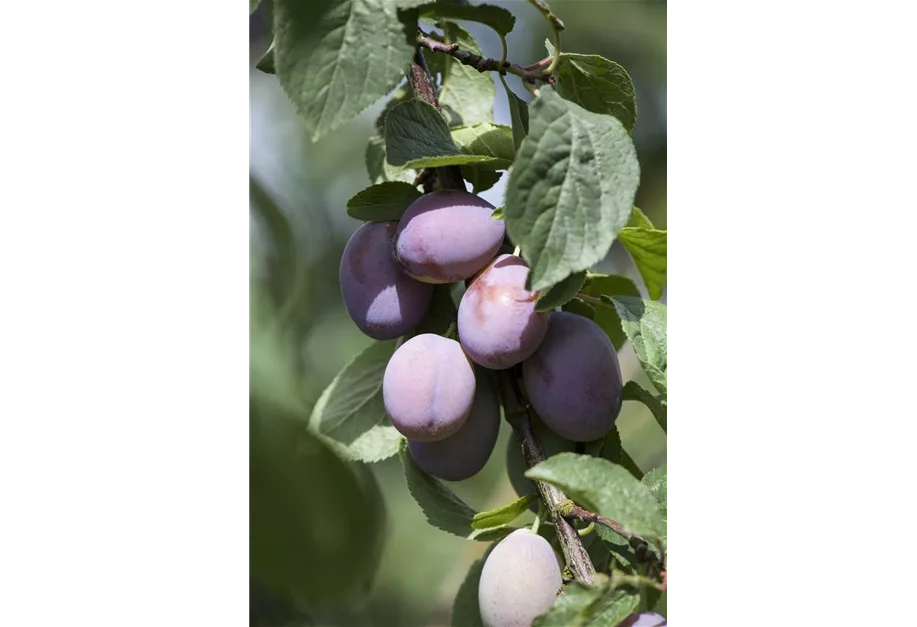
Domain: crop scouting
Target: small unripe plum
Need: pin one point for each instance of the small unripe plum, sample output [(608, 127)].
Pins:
[(428, 388), (380, 298), (519, 581), (497, 322), (463, 454), (447, 236), (644, 619), (551, 444), (574, 379)]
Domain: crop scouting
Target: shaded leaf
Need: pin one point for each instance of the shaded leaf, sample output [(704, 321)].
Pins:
[(383, 201), (518, 114), (597, 85), (482, 176), (633, 392), (441, 507), (644, 322), (561, 293), (605, 488), (350, 415), (606, 316), (498, 18), (416, 136), (266, 63), (489, 140), (571, 189), (647, 247), (465, 609), (379, 169), (502, 515)]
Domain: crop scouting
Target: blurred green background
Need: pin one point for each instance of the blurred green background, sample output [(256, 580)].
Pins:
[(301, 335)]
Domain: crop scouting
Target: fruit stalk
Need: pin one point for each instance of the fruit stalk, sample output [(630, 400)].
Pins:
[(514, 406), (450, 176)]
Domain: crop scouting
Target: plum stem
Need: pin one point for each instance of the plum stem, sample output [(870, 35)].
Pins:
[(515, 407), (450, 176)]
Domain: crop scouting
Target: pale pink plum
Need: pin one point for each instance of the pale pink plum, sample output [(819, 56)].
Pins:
[(497, 322), (428, 388), (447, 236)]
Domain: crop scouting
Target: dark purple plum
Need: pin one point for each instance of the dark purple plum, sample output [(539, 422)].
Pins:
[(644, 619), (519, 581), (428, 388), (463, 454), (497, 322), (447, 236), (574, 379), (551, 444), (380, 298)]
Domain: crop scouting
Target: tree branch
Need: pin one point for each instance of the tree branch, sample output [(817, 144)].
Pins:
[(640, 546), (514, 406), (485, 64), (450, 176)]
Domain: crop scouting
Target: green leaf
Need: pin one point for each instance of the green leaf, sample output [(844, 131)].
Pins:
[(561, 293), (571, 189), (648, 249), (597, 85), (583, 606), (638, 219), (377, 167), (489, 140), (266, 64), (465, 609), (502, 515), (442, 508), (633, 392), (402, 94), (350, 415), (252, 5), (440, 314), (496, 17), (655, 480), (613, 451), (605, 488), (416, 136), (334, 64), (482, 176), (384, 201), (497, 214), (518, 114), (606, 316), (295, 481), (644, 322), (467, 96)]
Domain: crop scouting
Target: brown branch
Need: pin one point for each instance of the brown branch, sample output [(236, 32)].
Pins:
[(485, 64), (640, 546), (514, 406), (450, 176)]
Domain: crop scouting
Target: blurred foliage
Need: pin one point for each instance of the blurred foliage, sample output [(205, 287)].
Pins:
[(300, 334)]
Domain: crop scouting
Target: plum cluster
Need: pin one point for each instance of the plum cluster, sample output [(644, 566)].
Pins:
[(438, 391)]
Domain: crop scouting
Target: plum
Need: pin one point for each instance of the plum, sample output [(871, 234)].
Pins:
[(447, 236), (497, 322), (463, 454), (644, 619), (519, 581), (428, 388), (573, 380), (551, 444), (380, 298)]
